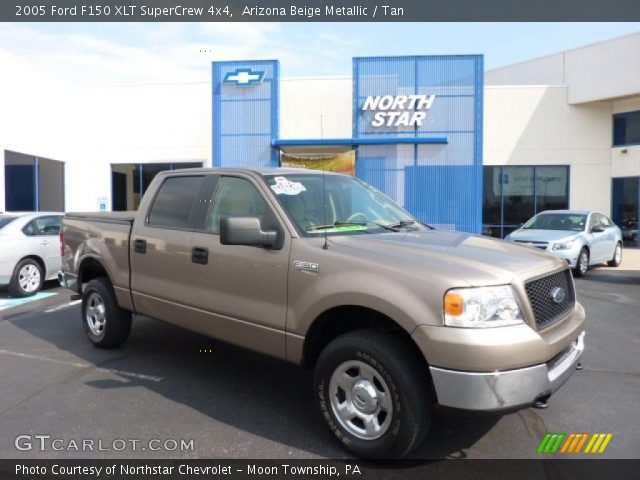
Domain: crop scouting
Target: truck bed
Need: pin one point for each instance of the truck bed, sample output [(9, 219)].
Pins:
[(104, 217)]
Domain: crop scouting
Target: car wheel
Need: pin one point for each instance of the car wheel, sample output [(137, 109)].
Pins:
[(582, 265), (617, 256), (105, 323), (372, 390), (27, 278)]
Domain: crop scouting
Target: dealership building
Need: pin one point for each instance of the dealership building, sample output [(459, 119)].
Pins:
[(458, 147)]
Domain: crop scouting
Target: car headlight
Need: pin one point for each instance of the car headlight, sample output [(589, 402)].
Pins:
[(565, 245), (481, 307)]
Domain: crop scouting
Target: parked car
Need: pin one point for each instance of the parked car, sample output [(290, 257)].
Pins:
[(582, 238), (630, 232), (323, 270), (29, 250)]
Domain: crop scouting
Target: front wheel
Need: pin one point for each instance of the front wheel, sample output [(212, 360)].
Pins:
[(372, 391), (105, 323), (582, 265), (617, 256)]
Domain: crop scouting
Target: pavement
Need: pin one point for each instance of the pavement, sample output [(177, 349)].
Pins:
[(169, 384)]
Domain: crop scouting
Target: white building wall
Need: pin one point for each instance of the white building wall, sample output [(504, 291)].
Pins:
[(601, 71), (625, 161), (316, 108), (534, 125)]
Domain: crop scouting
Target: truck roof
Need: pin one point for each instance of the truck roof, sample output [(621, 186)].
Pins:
[(259, 171)]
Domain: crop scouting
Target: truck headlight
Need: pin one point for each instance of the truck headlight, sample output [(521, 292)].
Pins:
[(566, 245), (481, 307)]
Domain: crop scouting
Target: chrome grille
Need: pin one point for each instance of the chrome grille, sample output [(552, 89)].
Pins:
[(540, 294), (542, 245)]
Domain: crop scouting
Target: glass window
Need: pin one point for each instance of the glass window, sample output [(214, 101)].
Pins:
[(514, 194), (236, 197), (49, 225), (557, 221), (174, 201), (6, 219), (337, 204), (626, 128), (552, 185)]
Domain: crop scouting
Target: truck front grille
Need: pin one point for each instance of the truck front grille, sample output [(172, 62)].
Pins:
[(547, 302)]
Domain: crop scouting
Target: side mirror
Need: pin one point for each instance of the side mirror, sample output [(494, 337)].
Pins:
[(597, 229), (245, 231)]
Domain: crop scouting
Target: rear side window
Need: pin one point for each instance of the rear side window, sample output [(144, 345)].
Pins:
[(174, 201), (5, 220), (43, 226)]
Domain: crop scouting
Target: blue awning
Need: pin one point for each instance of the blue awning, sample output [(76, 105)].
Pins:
[(301, 142)]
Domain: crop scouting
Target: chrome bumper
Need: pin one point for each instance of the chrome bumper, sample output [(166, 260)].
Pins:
[(507, 389)]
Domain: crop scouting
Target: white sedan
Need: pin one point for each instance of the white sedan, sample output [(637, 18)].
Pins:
[(29, 250)]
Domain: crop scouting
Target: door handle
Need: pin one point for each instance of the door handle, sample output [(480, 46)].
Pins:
[(44, 242), (200, 255), (140, 245)]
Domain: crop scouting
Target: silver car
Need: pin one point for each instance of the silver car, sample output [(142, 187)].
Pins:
[(29, 250), (582, 238)]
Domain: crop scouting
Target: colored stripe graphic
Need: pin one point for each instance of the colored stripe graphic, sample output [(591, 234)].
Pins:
[(573, 443)]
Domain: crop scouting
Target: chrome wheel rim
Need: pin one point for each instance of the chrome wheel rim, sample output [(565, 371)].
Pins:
[(618, 255), (29, 278), (95, 315), (584, 262), (360, 400)]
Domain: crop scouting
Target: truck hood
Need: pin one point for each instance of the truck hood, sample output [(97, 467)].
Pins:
[(533, 235), (467, 259)]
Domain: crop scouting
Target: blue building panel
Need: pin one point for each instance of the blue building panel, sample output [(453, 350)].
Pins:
[(440, 184), (245, 113)]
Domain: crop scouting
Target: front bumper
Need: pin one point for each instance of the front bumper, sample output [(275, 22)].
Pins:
[(503, 390)]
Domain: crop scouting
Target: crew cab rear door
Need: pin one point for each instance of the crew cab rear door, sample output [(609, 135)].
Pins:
[(160, 249), (241, 291)]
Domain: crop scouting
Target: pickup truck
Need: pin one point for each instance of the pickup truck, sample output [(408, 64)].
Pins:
[(323, 270)]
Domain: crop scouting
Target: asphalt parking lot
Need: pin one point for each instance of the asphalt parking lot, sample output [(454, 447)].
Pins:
[(167, 383)]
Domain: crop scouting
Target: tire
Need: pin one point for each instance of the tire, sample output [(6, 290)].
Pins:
[(27, 278), (397, 369), (582, 264), (105, 323), (617, 256)]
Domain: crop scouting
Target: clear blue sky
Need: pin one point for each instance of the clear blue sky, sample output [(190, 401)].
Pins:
[(113, 53)]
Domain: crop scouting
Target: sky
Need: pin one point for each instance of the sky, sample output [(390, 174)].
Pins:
[(114, 53)]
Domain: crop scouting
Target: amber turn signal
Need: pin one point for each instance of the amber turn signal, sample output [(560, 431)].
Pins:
[(453, 304)]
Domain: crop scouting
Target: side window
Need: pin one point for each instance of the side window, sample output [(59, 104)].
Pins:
[(237, 197), (606, 222), (593, 221), (43, 226), (30, 229), (174, 201)]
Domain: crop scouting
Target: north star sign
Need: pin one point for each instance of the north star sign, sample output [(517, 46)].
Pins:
[(399, 110)]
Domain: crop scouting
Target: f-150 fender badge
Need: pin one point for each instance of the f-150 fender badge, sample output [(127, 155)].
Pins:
[(306, 266)]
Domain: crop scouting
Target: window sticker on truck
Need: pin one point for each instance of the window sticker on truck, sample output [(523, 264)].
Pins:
[(285, 187)]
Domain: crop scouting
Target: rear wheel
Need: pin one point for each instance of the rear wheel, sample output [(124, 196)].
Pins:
[(27, 278), (105, 323), (617, 256), (582, 265), (372, 391)]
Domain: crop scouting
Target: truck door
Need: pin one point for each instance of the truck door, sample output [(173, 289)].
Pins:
[(160, 249), (242, 289)]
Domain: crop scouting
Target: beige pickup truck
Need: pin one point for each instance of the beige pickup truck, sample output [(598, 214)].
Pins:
[(324, 271)]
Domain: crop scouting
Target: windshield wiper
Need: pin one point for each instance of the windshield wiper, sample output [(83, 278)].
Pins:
[(355, 224), (407, 223)]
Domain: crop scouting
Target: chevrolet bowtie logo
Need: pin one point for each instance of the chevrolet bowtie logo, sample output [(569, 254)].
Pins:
[(244, 77)]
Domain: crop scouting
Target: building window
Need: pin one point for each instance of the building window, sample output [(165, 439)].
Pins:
[(626, 208), (129, 181), (512, 195), (626, 129)]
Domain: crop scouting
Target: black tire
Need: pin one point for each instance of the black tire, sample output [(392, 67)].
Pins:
[(14, 287), (405, 374), (116, 322), (580, 270), (617, 259)]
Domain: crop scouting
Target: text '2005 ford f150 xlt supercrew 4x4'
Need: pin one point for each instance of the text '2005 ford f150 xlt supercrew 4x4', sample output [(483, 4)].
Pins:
[(325, 271)]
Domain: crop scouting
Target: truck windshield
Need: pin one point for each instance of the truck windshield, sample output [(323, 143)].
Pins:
[(5, 220), (351, 206), (557, 221)]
